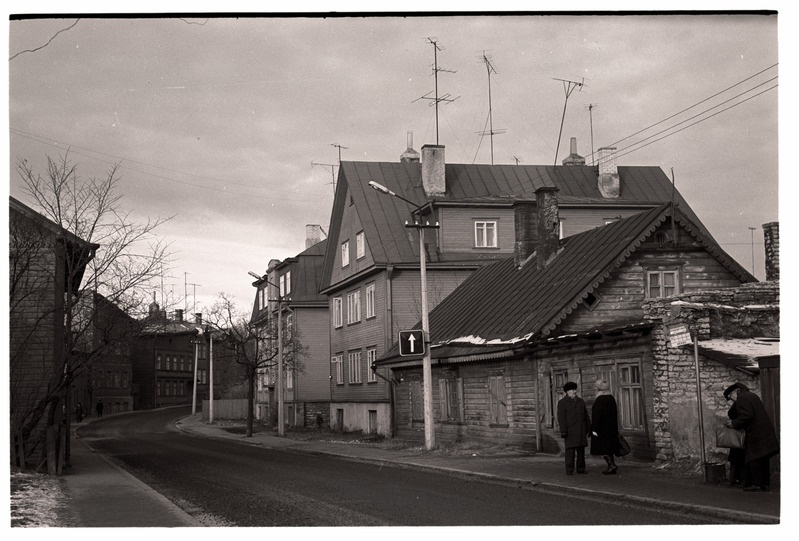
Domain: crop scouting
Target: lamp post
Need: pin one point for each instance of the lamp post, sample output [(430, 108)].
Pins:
[(281, 431), (427, 372)]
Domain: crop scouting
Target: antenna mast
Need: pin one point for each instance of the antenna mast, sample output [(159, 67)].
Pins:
[(436, 98), (591, 125), (490, 132), (568, 88)]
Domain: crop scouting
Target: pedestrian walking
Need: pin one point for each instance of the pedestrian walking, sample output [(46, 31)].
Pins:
[(738, 474), (78, 412), (99, 408), (575, 426), (605, 426), (760, 443)]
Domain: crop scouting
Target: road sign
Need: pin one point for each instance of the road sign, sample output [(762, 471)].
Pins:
[(411, 343)]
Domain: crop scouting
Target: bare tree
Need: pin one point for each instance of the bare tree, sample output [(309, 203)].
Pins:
[(116, 257), (255, 347)]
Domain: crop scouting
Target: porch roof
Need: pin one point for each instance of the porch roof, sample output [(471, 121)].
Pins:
[(744, 354)]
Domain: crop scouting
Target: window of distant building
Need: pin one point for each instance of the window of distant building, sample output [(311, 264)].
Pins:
[(370, 301), (485, 234), (338, 317), (285, 284), (371, 357), (354, 367), (353, 307), (360, 245), (345, 253)]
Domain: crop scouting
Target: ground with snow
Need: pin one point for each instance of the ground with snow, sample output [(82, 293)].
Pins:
[(37, 500)]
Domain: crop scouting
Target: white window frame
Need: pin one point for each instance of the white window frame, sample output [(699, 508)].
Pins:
[(485, 234), (345, 254), (371, 357), (353, 307), (370, 301), (338, 368), (360, 245), (354, 367), (338, 312), (289, 379)]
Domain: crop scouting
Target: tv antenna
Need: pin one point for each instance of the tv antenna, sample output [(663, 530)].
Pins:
[(339, 147), (518, 159), (490, 132), (568, 88), (333, 166), (194, 296), (436, 99), (591, 107)]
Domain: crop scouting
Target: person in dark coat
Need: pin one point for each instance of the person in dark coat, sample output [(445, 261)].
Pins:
[(78, 412), (99, 408), (760, 443), (575, 427), (605, 426), (735, 457)]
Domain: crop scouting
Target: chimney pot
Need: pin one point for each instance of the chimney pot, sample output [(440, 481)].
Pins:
[(198, 317), (313, 235), (178, 314), (771, 234), (410, 155), (433, 175), (573, 158), (548, 227), (608, 179)]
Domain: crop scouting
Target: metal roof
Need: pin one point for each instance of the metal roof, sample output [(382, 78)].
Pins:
[(383, 217), (500, 304)]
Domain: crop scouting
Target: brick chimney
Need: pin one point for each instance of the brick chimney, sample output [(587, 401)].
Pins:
[(410, 155), (525, 219), (198, 318), (433, 178), (608, 181), (313, 235), (573, 158), (771, 235), (178, 315), (548, 226)]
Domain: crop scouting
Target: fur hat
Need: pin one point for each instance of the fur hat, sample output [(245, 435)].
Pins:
[(569, 386), (733, 387), (602, 385)]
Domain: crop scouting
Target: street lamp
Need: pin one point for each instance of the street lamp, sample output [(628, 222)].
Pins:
[(427, 372), (280, 428)]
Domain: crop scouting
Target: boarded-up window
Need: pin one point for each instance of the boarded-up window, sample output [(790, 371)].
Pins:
[(417, 401), (630, 396), (498, 400), (451, 399)]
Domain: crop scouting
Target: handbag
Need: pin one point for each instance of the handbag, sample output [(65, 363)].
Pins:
[(730, 438), (624, 447)]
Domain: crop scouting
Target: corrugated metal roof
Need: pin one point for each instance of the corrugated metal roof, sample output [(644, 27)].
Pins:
[(383, 217)]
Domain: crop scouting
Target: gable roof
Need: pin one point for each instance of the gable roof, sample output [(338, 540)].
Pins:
[(383, 217), (500, 305)]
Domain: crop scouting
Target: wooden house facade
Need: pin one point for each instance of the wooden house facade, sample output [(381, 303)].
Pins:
[(506, 341), (372, 265)]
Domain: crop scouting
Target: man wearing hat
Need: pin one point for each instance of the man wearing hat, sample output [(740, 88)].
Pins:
[(760, 443), (574, 426)]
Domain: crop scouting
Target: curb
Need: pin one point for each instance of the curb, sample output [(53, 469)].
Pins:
[(708, 511)]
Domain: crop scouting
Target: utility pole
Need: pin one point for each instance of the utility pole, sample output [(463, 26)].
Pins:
[(436, 99), (568, 88), (490, 132), (752, 232)]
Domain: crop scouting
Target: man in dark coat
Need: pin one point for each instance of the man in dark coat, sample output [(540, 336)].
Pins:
[(760, 443), (574, 427)]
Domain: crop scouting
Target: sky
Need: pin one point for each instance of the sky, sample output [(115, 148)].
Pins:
[(232, 126)]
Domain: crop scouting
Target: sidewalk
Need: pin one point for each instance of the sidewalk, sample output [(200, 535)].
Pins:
[(637, 482)]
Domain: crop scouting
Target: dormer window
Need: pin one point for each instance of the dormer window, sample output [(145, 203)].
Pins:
[(485, 234)]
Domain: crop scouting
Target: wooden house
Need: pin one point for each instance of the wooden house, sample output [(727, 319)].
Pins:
[(371, 272), (508, 338), (305, 314)]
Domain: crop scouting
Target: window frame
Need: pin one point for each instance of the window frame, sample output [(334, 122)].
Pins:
[(354, 367), (354, 307), (360, 245), (481, 235), (338, 368), (662, 286), (345, 254), (370, 301), (371, 357), (338, 312)]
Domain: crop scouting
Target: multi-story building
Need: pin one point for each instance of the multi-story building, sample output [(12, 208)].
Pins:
[(371, 271)]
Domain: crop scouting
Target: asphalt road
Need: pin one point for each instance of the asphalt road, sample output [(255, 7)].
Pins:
[(224, 483)]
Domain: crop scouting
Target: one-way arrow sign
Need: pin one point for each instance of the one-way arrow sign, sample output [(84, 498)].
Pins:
[(411, 343)]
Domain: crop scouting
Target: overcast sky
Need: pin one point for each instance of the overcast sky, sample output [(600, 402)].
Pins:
[(219, 121)]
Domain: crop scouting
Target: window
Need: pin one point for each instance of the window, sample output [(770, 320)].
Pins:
[(338, 368), (370, 301), (354, 367), (360, 245), (631, 415), (285, 284), (261, 298), (485, 234), (353, 307), (451, 397), (289, 379), (371, 357), (158, 362), (498, 400), (345, 253), (338, 318), (661, 283)]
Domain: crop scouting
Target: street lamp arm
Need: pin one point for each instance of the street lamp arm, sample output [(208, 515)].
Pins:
[(383, 189)]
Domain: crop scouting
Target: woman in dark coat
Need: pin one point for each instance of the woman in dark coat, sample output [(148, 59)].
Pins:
[(605, 426), (760, 443), (575, 426)]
